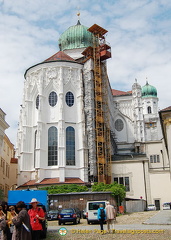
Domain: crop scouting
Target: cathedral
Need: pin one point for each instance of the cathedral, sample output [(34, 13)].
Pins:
[(74, 128)]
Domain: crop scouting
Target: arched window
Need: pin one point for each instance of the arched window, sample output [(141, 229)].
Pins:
[(69, 98), (35, 139), (52, 146), (52, 99), (37, 102), (70, 146), (149, 109)]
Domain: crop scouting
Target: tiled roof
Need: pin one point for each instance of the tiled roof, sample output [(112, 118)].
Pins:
[(166, 109), (14, 160), (51, 181), (59, 56), (120, 93)]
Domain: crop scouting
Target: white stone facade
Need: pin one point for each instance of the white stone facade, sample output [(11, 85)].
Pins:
[(32, 148)]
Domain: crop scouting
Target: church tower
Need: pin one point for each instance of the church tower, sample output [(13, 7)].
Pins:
[(150, 112)]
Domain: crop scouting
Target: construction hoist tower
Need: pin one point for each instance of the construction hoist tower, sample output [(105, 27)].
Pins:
[(100, 52)]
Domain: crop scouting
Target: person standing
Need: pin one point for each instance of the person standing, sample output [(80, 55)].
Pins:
[(22, 222), (3, 224), (110, 216), (36, 216), (101, 215)]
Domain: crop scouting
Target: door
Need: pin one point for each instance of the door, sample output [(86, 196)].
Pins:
[(157, 204)]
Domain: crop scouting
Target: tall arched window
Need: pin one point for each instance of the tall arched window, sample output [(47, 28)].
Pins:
[(37, 101), (149, 109), (52, 146), (70, 146), (35, 139)]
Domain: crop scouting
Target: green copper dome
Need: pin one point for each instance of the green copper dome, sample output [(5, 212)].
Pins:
[(75, 36), (149, 91)]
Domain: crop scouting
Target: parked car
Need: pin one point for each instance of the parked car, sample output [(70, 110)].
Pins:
[(166, 206), (52, 215), (69, 215), (151, 207)]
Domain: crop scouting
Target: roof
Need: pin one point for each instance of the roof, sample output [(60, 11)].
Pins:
[(59, 56), (52, 181), (120, 93), (74, 37), (149, 91), (166, 109)]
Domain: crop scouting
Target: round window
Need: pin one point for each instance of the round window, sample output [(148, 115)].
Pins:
[(69, 99), (119, 125), (52, 99)]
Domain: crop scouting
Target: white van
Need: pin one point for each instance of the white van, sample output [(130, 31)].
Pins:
[(91, 208)]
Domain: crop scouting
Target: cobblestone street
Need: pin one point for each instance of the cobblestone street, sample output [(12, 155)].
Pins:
[(132, 224)]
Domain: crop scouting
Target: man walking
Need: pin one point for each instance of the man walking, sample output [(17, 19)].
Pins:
[(111, 216)]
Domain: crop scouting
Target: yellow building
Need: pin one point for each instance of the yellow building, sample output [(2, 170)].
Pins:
[(8, 164)]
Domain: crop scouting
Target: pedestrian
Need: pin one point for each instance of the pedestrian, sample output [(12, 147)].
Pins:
[(101, 215), (37, 215), (3, 225), (7, 218), (22, 222), (12, 227), (110, 216)]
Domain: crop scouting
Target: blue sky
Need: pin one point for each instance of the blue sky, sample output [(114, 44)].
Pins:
[(139, 32)]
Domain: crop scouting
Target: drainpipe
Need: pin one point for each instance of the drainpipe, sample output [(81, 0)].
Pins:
[(145, 181)]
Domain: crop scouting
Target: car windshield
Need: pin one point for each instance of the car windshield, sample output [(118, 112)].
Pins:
[(69, 210), (53, 211)]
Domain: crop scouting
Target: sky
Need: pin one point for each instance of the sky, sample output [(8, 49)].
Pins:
[(139, 32)]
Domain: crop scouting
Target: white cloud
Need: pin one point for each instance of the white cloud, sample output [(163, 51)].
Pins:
[(139, 33)]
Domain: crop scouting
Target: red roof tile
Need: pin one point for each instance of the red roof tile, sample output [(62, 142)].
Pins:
[(51, 181), (120, 93), (29, 183), (59, 56), (166, 109), (14, 160)]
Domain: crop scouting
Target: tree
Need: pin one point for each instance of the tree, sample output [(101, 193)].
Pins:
[(117, 190)]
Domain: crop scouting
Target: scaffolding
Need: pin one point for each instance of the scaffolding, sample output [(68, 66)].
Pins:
[(101, 51)]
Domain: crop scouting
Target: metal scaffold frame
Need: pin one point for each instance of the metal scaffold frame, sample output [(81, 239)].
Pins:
[(102, 119)]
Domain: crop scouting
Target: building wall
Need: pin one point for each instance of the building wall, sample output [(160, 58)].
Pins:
[(160, 187), (78, 200), (135, 171), (7, 170), (32, 150)]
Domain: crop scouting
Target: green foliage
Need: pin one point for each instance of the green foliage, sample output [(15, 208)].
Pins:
[(65, 188), (117, 190)]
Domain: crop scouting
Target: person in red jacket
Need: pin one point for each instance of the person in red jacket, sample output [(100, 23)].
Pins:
[(36, 216)]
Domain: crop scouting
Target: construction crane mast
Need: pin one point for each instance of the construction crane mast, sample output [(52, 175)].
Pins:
[(100, 52)]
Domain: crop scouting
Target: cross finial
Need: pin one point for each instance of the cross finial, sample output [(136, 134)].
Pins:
[(78, 14)]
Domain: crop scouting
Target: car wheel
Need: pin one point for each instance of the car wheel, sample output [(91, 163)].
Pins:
[(59, 223), (75, 221), (79, 220), (88, 222)]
